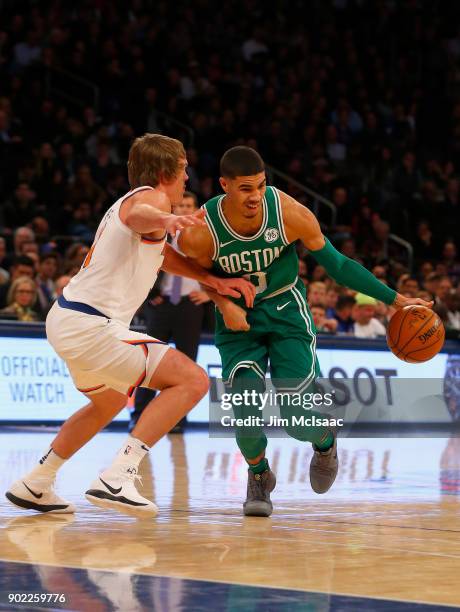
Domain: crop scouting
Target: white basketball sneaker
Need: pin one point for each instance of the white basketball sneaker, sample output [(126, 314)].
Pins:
[(115, 490), (38, 495)]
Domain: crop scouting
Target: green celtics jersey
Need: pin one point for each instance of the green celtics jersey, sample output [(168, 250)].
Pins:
[(266, 259)]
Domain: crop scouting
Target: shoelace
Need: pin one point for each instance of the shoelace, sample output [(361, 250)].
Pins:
[(134, 477)]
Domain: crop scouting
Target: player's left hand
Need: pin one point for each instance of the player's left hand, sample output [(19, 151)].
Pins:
[(176, 223), (235, 287), (401, 301)]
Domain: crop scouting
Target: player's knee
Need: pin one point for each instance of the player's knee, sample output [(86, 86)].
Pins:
[(198, 383)]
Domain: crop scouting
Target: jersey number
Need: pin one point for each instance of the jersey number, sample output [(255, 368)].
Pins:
[(259, 279), (89, 255)]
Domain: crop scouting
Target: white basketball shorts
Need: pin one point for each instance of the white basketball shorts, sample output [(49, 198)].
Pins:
[(102, 353)]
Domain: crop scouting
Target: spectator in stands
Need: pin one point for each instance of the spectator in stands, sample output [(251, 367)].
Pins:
[(380, 272), (441, 310), (451, 206), (348, 248), (431, 283), (29, 51), (4, 274), (443, 290), (343, 310), (408, 286), (317, 294), (29, 247), (408, 178), (61, 282), (303, 272), (81, 226), (383, 313), (425, 269), (375, 248), (85, 189), (21, 208), (75, 256), (21, 299), (322, 323), (453, 310), (424, 243), (21, 235), (332, 296), (47, 271), (319, 274), (22, 266), (366, 325), (344, 212), (41, 229), (450, 260)]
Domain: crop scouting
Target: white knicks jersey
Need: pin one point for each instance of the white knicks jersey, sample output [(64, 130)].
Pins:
[(120, 268)]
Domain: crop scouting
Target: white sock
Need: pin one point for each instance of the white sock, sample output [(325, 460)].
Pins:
[(46, 468), (130, 454)]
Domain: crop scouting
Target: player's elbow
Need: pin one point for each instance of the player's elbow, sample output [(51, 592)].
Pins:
[(135, 222), (143, 220)]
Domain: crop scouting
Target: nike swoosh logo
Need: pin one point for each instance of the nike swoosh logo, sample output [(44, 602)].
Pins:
[(224, 244), (111, 489), (37, 495), (283, 306)]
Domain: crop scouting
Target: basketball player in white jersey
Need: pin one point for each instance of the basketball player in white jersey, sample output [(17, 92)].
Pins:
[(89, 328)]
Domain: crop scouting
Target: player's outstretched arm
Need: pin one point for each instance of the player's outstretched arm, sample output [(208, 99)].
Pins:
[(147, 212), (175, 263), (301, 224), (196, 244)]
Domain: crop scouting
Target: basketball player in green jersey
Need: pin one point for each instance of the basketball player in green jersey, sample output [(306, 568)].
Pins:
[(251, 231)]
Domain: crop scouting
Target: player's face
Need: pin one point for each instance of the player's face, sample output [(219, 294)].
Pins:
[(246, 193), (175, 189)]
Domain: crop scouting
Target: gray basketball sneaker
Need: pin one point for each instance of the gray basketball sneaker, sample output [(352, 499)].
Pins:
[(323, 468), (260, 486)]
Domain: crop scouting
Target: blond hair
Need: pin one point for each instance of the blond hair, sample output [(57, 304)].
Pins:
[(10, 299), (154, 158)]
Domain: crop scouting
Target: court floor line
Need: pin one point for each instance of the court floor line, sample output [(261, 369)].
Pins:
[(234, 582), (320, 520), (365, 546)]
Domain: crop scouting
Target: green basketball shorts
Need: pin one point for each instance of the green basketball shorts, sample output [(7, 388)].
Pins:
[(282, 333)]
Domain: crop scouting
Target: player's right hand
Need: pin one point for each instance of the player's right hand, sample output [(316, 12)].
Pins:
[(176, 223), (401, 301), (235, 287), (235, 317)]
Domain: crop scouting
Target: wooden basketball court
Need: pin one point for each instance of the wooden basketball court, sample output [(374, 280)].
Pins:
[(385, 537)]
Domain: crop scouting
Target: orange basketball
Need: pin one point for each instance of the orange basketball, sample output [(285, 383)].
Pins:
[(415, 334)]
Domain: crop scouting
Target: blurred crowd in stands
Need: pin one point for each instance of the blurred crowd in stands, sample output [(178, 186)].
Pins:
[(358, 101)]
